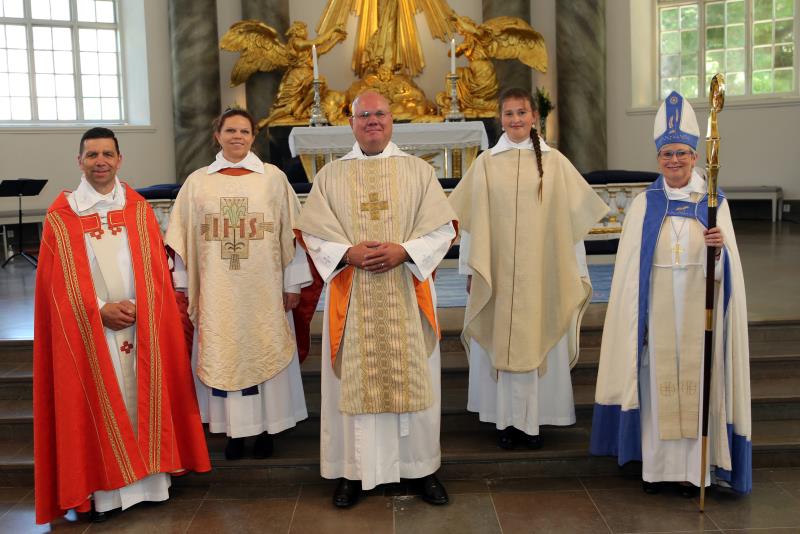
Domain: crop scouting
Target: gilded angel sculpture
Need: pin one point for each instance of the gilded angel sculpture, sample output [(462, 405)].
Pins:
[(261, 50), (497, 38)]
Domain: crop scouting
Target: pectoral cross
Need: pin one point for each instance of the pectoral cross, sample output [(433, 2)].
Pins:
[(677, 249), (374, 206)]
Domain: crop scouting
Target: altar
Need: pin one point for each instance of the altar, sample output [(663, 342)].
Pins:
[(450, 147)]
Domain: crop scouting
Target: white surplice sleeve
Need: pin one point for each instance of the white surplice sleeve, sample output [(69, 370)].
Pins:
[(297, 274), (429, 250), (180, 278), (463, 254), (580, 256), (325, 254)]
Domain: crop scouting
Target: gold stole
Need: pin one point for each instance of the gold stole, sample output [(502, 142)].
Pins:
[(678, 360), (384, 365)]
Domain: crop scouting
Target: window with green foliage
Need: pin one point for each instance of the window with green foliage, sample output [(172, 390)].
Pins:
[(59, 61), (752, 42)]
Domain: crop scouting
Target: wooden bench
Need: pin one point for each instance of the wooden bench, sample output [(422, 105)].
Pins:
[(758, 192)]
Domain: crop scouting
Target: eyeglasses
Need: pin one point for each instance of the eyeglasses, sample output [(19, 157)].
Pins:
[(365, 115), (680, 154)]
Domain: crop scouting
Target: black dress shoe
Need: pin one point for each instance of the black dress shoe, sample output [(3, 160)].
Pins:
[(505, 438), (98, 517), (346, 493), (264, 446), (532, 442), (234, 450), (433, 491), (651, 488), (688, 490)]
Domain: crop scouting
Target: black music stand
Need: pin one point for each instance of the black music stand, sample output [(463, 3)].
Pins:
[(21, 187)]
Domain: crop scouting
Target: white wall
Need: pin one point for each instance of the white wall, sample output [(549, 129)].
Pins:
[(148, 150), (759, 139)]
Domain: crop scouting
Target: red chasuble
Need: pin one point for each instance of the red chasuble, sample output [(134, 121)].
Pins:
[(83, 438)]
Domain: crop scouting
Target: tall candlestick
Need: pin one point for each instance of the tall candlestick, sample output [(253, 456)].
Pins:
[(452, 56), (314, 58)]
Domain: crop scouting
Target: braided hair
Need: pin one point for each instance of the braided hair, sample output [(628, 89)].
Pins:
[(522, 94)]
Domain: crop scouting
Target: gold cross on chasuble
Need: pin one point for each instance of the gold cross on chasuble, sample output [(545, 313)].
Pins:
[(374, 206), (234, 228)]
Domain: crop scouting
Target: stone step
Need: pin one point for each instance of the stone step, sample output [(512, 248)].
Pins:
[(465, 455), (773, 399), (769, 359)]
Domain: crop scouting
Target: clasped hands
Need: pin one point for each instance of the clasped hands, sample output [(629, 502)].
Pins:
[(376, 257), (118, 315)]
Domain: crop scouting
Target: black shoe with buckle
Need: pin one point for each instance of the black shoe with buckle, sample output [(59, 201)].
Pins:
[(433, 491), (264, 446), (346, 493), (234, 450), (505, 438)]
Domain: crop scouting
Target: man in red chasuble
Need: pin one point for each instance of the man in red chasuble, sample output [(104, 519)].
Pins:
[(115, 412)]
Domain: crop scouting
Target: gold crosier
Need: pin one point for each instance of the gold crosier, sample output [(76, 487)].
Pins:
[(716, 100)]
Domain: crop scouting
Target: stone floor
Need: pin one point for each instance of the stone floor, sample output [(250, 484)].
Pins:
[(568, 505)]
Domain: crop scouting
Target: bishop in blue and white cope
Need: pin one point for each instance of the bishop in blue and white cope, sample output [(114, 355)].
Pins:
[(648, 401)]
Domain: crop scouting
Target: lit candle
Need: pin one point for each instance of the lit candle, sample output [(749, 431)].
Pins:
[(452, 56), (314, 58)]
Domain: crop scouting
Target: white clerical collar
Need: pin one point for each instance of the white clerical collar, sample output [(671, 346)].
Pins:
[(388, 152), (504, 144), (250, 162), (85, 197), (696, 185)]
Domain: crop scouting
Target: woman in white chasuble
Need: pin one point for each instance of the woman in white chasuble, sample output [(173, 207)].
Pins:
[(231, 230), (524, 211)]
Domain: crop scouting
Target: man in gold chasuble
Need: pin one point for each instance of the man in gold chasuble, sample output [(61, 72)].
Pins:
[(376, 224)]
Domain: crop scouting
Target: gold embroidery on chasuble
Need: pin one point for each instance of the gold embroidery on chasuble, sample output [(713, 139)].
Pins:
[(234, 228), (154, 415), (384, 360)]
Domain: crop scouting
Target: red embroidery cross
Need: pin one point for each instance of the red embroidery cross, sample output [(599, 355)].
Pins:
[(115, 229), (97, 234), (126, 347)]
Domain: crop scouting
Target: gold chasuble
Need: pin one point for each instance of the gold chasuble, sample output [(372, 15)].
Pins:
[(385, 338), (527, 292), (234, 233)]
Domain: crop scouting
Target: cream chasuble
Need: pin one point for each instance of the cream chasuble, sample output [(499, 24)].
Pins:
[(378, 448), (384, 349), (110, 260), (234, 234), (520, 306)]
